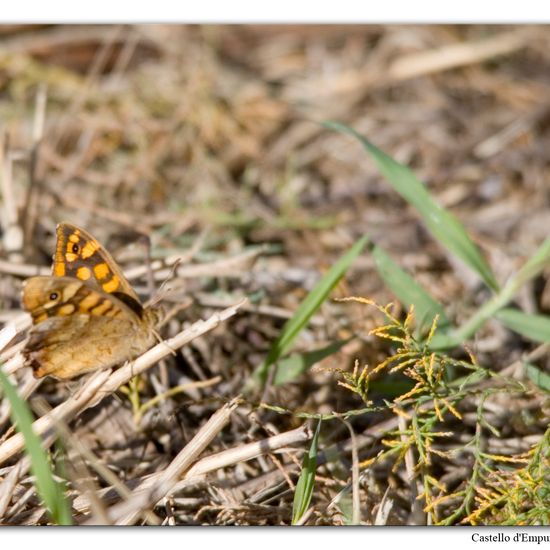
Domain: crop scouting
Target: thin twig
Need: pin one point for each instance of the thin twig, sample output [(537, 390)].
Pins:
[(12, 232), (28, 215), (126, 512), (220, 460), (7, 487), (356, 499)]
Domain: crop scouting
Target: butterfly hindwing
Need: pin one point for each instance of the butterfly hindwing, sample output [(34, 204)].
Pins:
[(65, 347), (78, 328)]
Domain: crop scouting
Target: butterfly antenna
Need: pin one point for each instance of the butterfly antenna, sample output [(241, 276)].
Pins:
[(161, 292), (188, 256)]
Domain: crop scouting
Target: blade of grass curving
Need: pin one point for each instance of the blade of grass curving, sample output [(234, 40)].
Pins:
[(533, 327), (409, 292), (306, 481), (441, 223), (530, 269), (292, 366), (537, 376), (48, 489), (307, 309)]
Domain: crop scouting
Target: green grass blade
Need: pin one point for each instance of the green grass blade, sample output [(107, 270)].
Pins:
[(537, 376), (493, 307), (49, 490), (534, 327), (292, 366), (306, 481), (532, 267), (409, 292), (307, 309), (441, 223)]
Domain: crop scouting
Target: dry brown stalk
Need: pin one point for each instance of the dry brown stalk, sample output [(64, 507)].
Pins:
[(23, 270), (12, 237), (234, 266), (249, 451), (7, 487), (208, 300), (25, 390), (417, 516), (456, 55), (7, 334), (356, 508), (127, 512), (216, 461)]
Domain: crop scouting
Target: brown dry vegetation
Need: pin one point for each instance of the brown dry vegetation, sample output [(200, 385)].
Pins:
[(207, 140)]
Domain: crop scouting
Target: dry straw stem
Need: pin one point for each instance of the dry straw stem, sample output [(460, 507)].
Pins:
[(41, 40), (249, 451), (457, 55), (207, 300), (25, 390), (175, 478), (216, 461), (10, 357), (23, 270), (82, 478), (330, 454), (127, 512), (434, 60), (104, 383), (235, 266), (384, 509), (8, 486), (354, 485), (7, 334), (19, 470), (12, 232), (416, 517), (356, 508)]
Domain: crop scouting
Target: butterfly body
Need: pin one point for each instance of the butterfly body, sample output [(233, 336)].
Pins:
[(85, 315)]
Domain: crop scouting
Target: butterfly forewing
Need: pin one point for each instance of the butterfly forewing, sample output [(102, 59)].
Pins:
[(79, 255)]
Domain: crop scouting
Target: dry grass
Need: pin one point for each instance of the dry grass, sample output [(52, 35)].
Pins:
[(206, 141)]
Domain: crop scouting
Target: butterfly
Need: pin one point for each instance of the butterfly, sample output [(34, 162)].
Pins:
[(85, 316)]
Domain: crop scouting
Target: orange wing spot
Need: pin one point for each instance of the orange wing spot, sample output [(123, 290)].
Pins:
[(89, 249), (67, 309), (88, 303), (70, 257), (83, 273), (101, 271), (111, 285), (59, 270), (39, 318), (102, 308), (73, 237)]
